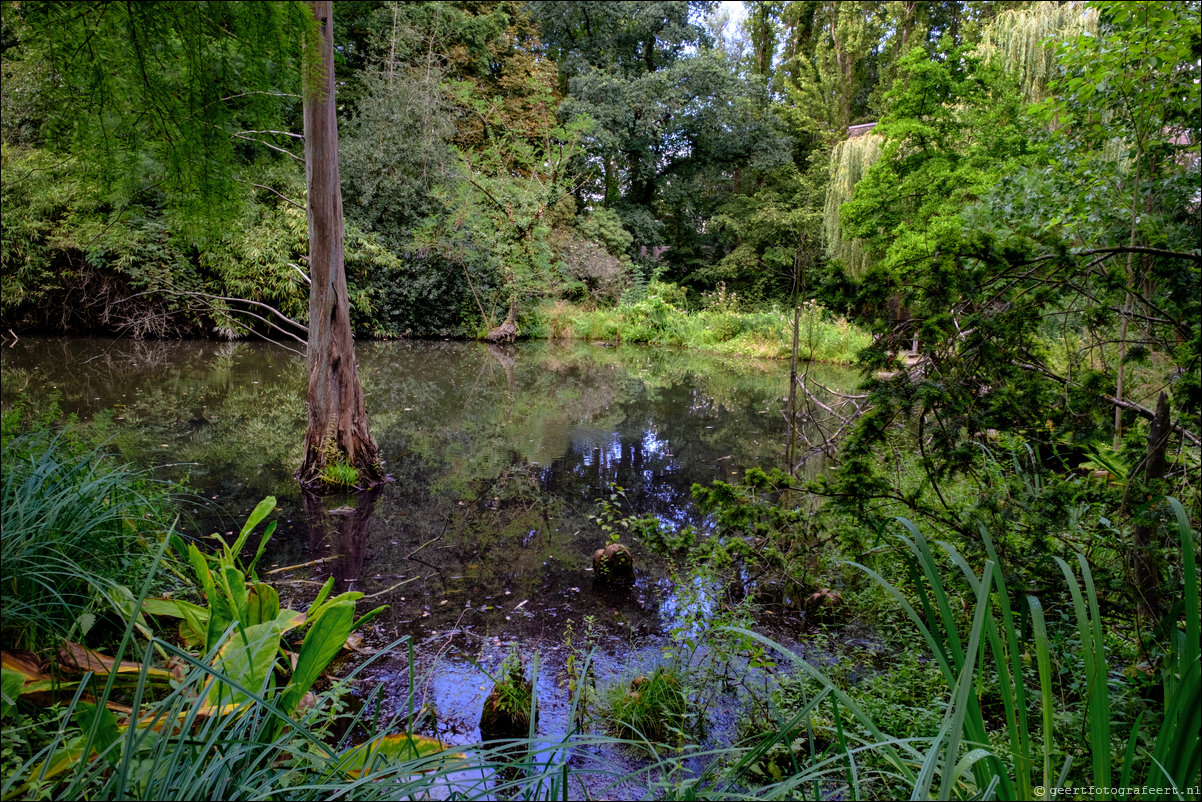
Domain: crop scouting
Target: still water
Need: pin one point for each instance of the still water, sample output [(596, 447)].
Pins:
[(483, 543)]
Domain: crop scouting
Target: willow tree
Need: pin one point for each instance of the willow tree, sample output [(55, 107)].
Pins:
[(1021, 41), (850, 160), (337, 431)]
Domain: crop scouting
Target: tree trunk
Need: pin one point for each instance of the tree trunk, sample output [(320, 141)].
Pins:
[(337, 427), (1147, 569), (507, 332)]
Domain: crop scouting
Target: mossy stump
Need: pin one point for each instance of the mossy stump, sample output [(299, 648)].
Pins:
[(613, 565), (506, 711), (823, 604)]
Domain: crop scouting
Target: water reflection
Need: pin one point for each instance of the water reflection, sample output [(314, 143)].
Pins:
[(484, 542), (340, 525)]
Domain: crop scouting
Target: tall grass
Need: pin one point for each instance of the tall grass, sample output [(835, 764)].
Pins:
[(76, 530), (763, 333), (963, 760)]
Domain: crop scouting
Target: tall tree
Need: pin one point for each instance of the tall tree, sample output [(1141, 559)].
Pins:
[(337, 428), (168, 104)]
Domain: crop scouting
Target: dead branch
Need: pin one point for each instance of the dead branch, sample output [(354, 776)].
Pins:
[(1131, 406), (285, 151)]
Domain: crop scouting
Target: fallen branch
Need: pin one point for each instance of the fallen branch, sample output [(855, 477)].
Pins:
[(1131, 406)]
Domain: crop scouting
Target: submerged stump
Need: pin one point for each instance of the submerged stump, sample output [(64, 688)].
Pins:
[(823, 604), (613, 565), (507, 708)]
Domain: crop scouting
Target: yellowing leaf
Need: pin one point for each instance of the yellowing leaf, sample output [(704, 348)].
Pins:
[(385, 749)]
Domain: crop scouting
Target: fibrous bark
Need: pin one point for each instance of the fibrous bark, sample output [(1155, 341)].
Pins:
[(337, 418)]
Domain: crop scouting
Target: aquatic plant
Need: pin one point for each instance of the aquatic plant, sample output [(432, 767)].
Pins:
[(651, 707), (336, 471), (509, 710), (78, 530)]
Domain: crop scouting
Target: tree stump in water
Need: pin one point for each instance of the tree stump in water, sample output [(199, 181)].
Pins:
[(823, 603), (506, 711), (507, 332), (613, 565)]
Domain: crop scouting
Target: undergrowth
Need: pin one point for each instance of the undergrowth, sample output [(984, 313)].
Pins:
[(660, 317)]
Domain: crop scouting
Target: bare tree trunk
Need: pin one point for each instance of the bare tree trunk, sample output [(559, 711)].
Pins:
[(338, 429), (792, 412)]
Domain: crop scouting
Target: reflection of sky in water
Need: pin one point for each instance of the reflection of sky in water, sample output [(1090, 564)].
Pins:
[(654, 445), (689, 606)]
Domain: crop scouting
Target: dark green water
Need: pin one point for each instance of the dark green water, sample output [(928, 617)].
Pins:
[(483, 543)]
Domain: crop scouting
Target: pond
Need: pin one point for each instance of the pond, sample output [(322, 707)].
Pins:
[(483, 544)]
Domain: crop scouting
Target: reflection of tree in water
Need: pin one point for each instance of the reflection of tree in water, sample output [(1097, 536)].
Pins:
[(505, 356), (340, 523)]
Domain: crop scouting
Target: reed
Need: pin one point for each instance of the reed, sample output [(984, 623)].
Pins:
[(78, 529)]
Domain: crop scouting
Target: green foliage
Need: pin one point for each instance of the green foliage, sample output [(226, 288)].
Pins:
[(79, 531), (604, 226), (248, 612), (977, 221), (339, 474), (610, 518), (649, 708), (758, 534), (658, 318), (850, 159), (131, 83), (969, 702), (395, 154), (1023, 41)]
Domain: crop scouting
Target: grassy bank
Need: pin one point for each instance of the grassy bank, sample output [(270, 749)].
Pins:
[(722, 326)]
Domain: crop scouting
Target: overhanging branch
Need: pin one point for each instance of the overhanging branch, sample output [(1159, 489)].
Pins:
[(1130, 406)]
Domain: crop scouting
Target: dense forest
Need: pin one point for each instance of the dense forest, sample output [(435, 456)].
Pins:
[(990, 209)]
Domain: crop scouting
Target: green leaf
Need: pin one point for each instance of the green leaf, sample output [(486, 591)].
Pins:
[(247, 659), (101, 724), (256, 517), (385, 749), (11, 683), (262, 604), (322, 643), (172, 608)]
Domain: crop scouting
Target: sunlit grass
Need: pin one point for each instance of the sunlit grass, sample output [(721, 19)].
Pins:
[(766, 333)]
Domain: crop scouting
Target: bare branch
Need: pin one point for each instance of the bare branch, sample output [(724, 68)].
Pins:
[(1193, 257), (272, 94), (303, 274), (269, 131), (1138, 409), (209, 296), (286, 152), (279, 195)]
